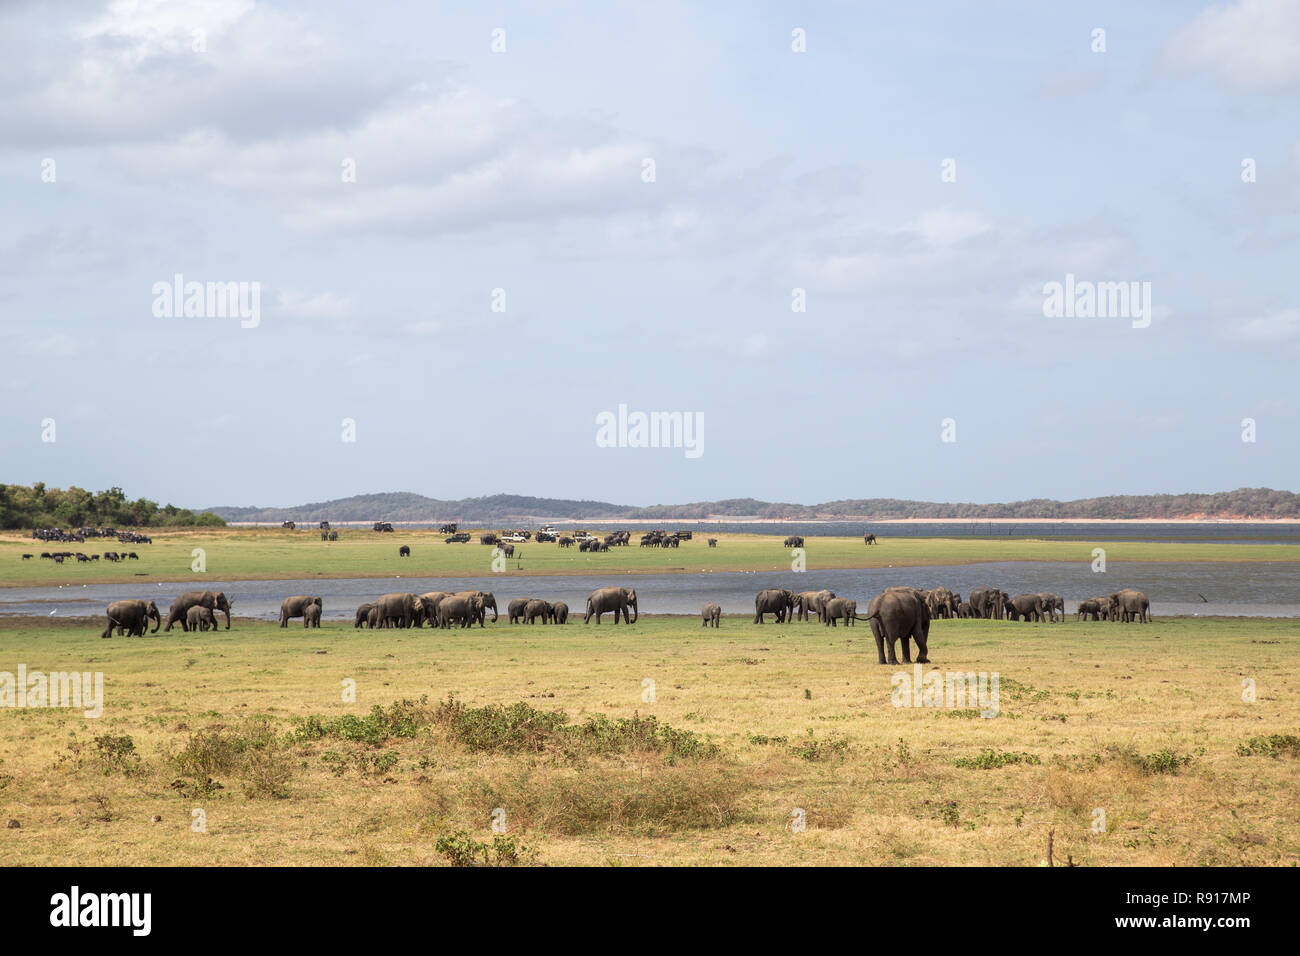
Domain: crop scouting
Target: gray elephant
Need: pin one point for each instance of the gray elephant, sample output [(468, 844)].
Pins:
[(712, 615), (618, 600), (943, 603), (296, 607), (1129, 604), (560, 613), (311, 616), (778, 601), (900, 614), (1026, 607), (840, 609), (397, 609), (430, 601), (1090, 609), (806, 601), (363, 614), (987, 602), (538, 608), (515, 609), (486, 600), (133, 617), (964, 610), (460, 609), (200, 618), (1054, 604), (214, 600)]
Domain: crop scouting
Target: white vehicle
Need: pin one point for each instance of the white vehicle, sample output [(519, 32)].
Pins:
[(514, 537)]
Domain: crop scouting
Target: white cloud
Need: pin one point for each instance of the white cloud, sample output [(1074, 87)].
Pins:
[(315, 305), (1279, 325), (1251, 46)]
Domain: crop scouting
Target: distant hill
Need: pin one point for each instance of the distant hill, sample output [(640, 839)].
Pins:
[(407, 506), (1258, 503)]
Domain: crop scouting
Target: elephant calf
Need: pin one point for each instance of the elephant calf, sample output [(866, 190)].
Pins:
[(712, 614), (199, 618), (311, 616)]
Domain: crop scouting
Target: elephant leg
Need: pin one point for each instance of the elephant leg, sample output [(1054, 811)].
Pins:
[(879, 635)]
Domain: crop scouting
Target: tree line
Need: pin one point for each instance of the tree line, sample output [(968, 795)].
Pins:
[(37, 506)]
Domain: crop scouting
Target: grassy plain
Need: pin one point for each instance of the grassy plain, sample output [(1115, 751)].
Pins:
[(1146, 723), (270, 554)]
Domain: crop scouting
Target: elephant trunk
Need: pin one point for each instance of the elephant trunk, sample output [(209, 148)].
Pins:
[(227, 610), (157, 622), (634, 611)]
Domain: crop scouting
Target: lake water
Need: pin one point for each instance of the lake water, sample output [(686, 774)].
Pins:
[(1259, 589)]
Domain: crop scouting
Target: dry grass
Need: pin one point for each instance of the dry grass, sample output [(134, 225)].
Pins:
[(1145, 723)]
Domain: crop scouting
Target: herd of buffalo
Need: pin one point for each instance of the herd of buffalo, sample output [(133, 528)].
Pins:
[(896, 614)]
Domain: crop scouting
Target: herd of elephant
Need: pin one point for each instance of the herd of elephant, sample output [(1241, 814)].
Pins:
[(193, 611), (904, 614), (896, 614), (444, 609)]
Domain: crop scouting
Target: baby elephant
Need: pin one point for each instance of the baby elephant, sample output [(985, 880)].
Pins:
[(310, 616), (199, 618), (712, 614)]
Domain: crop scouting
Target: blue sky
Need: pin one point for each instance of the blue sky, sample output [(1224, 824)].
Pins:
[(774, 170)]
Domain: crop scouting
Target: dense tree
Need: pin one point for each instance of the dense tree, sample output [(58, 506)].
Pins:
[(41, 507)]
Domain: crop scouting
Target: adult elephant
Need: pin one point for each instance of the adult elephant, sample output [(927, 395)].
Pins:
[(793, 541), (213, 600), (806, 601), (486, 600), (460, 609), (840, 609), (943, 603), (200, 618), (538, 608), (296, 607), (1026, 607), (133, 617), (868, 539), (397, 609), (560, 613), (1128, 604), (618, 600), (1054, 603), (900, 614), (430, 601), (987, 602), (515, 609), (363, 614), (778, 601), (712, 615)]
